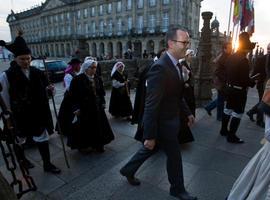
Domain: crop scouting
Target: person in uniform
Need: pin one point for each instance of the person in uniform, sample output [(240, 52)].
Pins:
[(25, 92), (238, 81), (120, 103), (90, 128)]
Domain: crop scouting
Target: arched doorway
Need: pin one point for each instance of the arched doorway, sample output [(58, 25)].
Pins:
[(119, 48), (94, 49), (47, 50), (56, 50), (162, 44), (62, 52), (128, 45), (52, 54), (150, 47), (137, 49), (68, 49), (110, 51), (101, 50), (87, 48)]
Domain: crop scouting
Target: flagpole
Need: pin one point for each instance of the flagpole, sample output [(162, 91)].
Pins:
[(236, 36), (230, 16)]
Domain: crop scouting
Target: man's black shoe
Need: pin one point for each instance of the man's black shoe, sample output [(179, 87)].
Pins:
[(235, 140), (183, 195), (208, 112), (51, 168), (250, 115), (131, 179), (260, 124), (223, 132)]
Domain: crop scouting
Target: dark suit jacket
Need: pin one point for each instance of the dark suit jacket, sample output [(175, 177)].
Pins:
[(260, 67), (164, 101)]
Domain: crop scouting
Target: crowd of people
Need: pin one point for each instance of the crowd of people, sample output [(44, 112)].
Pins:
[(164, 108)]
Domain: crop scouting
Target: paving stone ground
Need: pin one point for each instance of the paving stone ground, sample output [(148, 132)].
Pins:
[(211, 165)]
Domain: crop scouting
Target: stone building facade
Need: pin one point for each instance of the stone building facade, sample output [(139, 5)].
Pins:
[(104, 28)]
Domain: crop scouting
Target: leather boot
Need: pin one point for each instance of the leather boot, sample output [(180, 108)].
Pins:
[(232, 138), (224, 124), (43, 148), (19, 151)]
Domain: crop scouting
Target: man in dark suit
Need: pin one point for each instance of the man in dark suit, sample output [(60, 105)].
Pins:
[(261, 67), (161, 119)]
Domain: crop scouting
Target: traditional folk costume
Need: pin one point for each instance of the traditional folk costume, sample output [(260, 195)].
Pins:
[(66, 115), (91, 127), (25, 93), (238, 81), (120, 104), (185, 134), (254, 181)]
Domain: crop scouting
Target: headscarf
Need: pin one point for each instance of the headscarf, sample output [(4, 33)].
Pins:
[(87, 64), (117, 66), (89, 58), (189, 51)]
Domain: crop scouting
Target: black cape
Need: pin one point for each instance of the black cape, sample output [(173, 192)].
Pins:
[(65, 115), (91, 129)]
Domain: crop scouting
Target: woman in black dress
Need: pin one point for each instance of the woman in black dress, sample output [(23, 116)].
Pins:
[(65, 114), (185, 134), (90, 124), (120, 104)]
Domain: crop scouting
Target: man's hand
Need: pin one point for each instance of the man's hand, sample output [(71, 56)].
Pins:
[(150, 144), (191, 120)]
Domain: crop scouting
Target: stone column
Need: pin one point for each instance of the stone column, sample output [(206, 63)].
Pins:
[(115, 53), (203, 74)]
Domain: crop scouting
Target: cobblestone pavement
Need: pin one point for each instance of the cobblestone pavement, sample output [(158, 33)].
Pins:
[(211, 165)]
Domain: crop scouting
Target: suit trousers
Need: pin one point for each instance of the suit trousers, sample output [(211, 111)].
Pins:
[(174, 163)]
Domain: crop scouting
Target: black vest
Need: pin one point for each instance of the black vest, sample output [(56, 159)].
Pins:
[(29, 101)]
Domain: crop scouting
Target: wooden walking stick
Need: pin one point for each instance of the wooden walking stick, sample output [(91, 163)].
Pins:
[(56, 116)]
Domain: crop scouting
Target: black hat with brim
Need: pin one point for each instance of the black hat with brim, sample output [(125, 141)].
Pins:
[(18, 47), (74, 61), (245, 43)]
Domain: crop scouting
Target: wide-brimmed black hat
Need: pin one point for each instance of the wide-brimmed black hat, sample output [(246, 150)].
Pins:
[(74, 61), (245, 43), (18, 47)]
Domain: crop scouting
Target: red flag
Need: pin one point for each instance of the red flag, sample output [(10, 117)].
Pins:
[(247, 18)]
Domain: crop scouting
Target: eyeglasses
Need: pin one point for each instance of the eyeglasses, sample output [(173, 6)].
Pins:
[(183, 42)]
